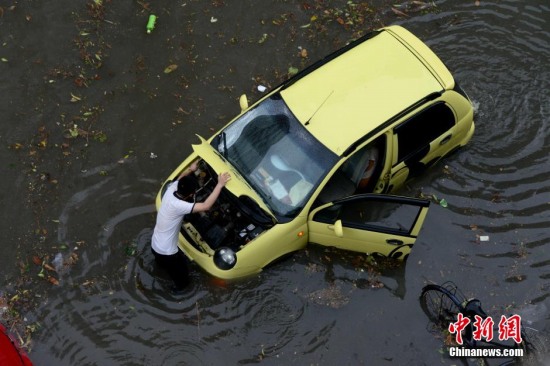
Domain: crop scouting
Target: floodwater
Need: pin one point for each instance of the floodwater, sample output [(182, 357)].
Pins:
[(86, 192)]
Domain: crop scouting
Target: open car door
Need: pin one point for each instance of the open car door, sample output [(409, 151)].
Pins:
[(369, 223)]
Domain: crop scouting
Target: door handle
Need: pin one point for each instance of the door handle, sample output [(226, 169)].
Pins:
[(445, 140), (394, 242)]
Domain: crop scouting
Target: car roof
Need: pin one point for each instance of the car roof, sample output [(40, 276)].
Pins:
[(351, 95)]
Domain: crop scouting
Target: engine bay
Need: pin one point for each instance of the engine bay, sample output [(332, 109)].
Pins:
[(231, 222)]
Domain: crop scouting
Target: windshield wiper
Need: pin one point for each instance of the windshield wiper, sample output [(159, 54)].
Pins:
[(224, 141)]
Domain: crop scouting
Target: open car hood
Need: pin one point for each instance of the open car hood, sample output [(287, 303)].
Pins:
[(238, 186)]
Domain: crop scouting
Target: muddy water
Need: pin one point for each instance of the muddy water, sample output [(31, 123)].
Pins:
[(111, 307)]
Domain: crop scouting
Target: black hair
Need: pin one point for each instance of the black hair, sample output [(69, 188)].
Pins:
[(187, 185)]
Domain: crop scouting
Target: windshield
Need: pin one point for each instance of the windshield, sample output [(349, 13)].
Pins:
[(278, 157)]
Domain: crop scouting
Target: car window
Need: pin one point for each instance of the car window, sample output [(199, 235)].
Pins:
[(358, 174), (278, 157), (417, 132), (376, 215)]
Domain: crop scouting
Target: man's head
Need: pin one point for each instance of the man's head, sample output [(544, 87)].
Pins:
[(187, 186)]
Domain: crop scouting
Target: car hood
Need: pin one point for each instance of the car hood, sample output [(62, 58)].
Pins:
[(237, 185)]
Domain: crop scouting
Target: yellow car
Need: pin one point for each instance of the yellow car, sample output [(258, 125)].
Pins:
[(313, 160)]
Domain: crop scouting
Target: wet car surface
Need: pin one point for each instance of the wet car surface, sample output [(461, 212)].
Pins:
[(306, 156)]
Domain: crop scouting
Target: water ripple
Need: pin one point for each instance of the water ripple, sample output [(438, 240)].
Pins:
[(113, 308)]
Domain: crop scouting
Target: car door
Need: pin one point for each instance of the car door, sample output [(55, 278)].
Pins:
[(420, 141), (369, 223)]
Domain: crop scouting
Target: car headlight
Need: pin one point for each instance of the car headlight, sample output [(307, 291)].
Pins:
[(225, 258)]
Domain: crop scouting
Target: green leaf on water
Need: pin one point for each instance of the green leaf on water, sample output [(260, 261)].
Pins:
[(292, 70), (130, 250), (73, 131), (170, 68), (443, 202)]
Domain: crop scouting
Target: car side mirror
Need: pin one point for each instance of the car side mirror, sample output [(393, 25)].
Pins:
[(243, 102), (337, 228)]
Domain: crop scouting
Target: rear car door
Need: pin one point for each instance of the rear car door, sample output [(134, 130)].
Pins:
[(369, 223), (421, 140)]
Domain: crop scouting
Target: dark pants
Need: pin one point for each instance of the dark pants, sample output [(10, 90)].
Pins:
[(176, 266)]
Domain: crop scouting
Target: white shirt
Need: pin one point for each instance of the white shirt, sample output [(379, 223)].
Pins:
[(169, 218)]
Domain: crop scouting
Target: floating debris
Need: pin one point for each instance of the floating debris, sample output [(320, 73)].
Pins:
[(331, 296), (170, 68), (151, 23)]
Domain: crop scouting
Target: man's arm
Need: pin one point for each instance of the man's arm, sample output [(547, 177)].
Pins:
[(223, 178), (192, 168)]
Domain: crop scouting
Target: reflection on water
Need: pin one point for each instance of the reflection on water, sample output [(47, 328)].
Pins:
[(113, 308)]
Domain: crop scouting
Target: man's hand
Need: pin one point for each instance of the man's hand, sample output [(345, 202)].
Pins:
[(191, 169), (223, 178)]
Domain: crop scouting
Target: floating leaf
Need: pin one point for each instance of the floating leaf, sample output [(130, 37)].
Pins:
[(100, 136), (399, 13), (4, 59), (130, 250), (443, 202), (170, 68), (53, 280), (49, 268), (292, 71), (263, 39), (73, 131)]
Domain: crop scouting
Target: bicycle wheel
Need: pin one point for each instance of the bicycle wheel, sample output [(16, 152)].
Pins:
[(441, 303)]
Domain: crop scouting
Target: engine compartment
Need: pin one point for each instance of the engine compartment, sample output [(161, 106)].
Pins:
[(231, 222)]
